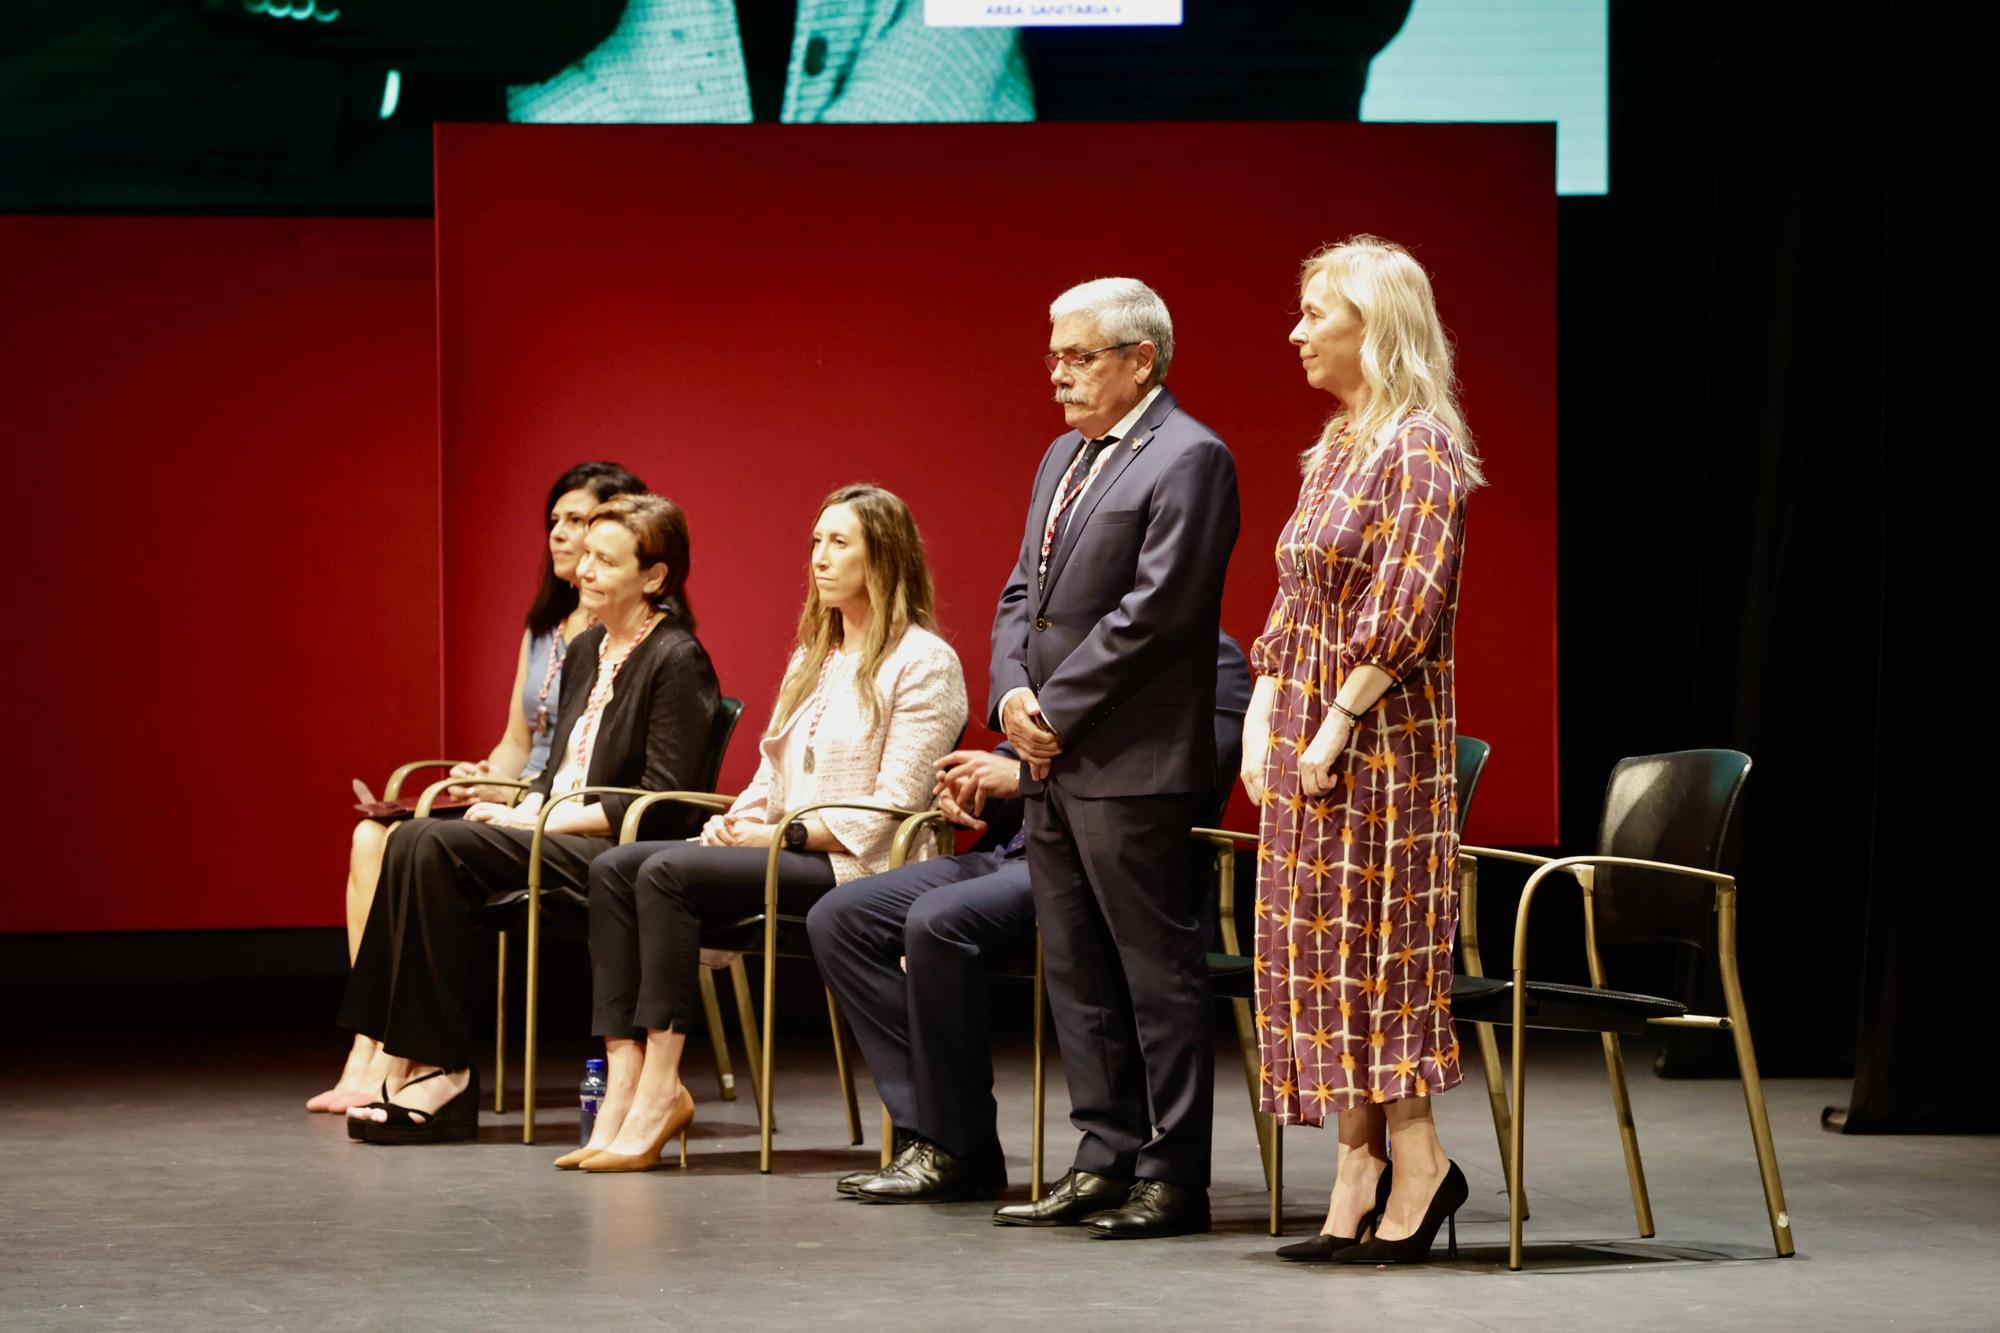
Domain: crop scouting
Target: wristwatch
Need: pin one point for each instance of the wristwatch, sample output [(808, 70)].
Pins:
[(795, 837)]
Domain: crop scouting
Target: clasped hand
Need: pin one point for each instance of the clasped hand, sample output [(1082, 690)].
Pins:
[(968, 778), (479, 768), (508, 816), (734, 830), (1034, 740)]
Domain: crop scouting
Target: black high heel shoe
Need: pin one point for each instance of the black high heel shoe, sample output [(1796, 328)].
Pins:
[(1415, 1248), (456, 1120), (1325, 1247)]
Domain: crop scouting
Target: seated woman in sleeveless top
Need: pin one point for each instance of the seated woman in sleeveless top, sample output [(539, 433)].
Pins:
[(554, 621), (871, 699), (638, 707)]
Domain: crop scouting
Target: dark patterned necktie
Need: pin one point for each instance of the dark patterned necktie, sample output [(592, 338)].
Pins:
[(1078, 480), (1059, 511)]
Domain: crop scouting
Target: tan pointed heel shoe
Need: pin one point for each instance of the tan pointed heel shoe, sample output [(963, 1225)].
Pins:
[(677, 1122), (570, 1161)]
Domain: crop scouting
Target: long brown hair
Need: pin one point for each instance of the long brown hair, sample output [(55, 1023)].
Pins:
[(899, 595)]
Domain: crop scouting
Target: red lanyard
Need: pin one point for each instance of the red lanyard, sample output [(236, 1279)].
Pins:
[(819, 708), (558, 649), (600, 693), (1065, 497)]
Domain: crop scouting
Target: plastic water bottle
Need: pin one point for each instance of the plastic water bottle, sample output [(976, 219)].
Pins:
[(590, 1095)]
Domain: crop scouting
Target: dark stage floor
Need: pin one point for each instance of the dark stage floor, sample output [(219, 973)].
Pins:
[(186, 1188)]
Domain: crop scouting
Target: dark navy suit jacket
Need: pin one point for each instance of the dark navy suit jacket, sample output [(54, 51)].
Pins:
[(1232, 701), (1117, 644)]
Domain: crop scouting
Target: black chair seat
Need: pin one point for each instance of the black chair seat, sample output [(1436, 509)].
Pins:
[(1553, 1004), (505, 907), (1231, 976), (747, 936)]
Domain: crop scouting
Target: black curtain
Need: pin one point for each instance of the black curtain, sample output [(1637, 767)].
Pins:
[(1706, 562), (1749, 514), (1921, 1064)]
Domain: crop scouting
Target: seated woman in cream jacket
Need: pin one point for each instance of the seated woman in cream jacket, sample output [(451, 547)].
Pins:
[(871, 700)]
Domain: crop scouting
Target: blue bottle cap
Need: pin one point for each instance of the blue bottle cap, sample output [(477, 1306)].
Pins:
[(593, 1066)]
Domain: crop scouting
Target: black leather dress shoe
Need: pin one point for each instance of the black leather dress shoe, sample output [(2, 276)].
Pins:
[(1153, 1208), (929, 1174), (899, 1150), (1076, 1196)]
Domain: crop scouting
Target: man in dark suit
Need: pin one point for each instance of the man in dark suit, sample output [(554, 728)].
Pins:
[(907, 953), (1102, 681)]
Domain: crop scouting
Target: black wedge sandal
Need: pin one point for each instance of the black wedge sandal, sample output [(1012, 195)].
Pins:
[(354, 1125), (454, 1122)]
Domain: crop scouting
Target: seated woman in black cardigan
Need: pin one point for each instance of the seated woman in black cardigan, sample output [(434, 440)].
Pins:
[(638, 703)]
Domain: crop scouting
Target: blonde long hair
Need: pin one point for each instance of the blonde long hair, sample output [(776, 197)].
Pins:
[(899, 593), (1406, 356)]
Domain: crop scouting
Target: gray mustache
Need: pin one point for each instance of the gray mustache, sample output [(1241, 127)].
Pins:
[(1071, 396)]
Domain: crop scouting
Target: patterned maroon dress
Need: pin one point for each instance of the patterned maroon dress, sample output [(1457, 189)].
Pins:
[(1357, 899)]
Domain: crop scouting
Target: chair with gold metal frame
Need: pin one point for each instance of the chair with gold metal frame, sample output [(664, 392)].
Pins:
[(1029, 968), (1232, 973), (525, 908), (1657, 878), (759, 933), (394, 787), (1013, 967)]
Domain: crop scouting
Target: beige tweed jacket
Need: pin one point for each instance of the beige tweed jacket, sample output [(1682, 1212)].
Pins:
[(924, 712)]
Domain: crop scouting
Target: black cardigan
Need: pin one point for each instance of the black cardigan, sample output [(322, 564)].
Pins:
[(654, 733)]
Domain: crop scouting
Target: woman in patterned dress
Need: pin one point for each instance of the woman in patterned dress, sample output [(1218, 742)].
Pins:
[(1347, 749)]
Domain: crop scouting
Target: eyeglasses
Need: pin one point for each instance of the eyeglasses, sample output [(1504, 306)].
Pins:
[(1078, 360)]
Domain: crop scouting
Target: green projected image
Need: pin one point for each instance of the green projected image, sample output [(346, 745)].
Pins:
[(1462, 60), (315, 105)]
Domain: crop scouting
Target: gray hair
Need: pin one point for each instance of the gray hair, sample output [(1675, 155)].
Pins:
[(1127, 310)]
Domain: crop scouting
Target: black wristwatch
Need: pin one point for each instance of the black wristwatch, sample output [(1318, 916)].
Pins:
[(795, 837)]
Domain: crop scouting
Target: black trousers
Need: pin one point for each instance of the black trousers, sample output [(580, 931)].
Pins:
[(1124, 947), (906, 953), (412, 973), (648, 904)]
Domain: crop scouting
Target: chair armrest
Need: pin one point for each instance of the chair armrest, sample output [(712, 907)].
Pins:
[(590, 791), (437, 789), (1223, 837), (1496, 854), (908, 831), (1579, 868), (702, 800), (542, 827), (1715, 877), (397, 778), (791, 817), (541, 836), (1223, 843), (1468, 902)]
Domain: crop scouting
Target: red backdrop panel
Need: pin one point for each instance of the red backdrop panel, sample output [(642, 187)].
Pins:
[(749, 316), (221, 437)]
